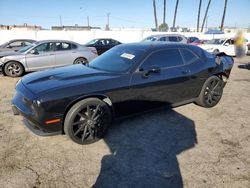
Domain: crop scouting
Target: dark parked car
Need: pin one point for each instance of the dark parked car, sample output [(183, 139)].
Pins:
[(192, 39), (15, 45), (102, 45), (81, 101)]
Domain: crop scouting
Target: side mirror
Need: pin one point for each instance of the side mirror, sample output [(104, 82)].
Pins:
[(152, 69), (8, 46), (226, 44), (34, 52)]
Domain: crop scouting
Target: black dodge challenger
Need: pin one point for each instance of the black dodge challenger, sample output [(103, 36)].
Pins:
[(82, 100)]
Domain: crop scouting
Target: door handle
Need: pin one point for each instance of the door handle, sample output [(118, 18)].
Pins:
[(51, 54), (73, 52)]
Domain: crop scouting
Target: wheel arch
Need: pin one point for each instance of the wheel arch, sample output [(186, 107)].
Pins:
[(80, 57), (12, 61), (101, 97)]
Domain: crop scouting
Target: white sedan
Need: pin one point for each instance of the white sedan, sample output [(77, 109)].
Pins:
[(220, 45)]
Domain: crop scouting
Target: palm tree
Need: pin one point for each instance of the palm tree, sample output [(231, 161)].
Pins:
[(175, 12), (155, 16), (198, 19), (223, 17), (205, 17), (164, 12)]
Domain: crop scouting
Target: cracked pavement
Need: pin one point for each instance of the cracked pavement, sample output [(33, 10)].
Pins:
[(188, 146)]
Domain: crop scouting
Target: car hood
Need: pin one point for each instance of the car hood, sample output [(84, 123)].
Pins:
[(7, 53), (205, 46), (65, 77)]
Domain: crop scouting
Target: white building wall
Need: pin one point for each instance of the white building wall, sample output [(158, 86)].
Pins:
[(85, 36)]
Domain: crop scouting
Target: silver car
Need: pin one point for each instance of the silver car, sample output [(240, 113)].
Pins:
[(166, 38), (15, 45), (44, 55)]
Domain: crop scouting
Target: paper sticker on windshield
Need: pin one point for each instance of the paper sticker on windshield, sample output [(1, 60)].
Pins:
[(128, 56)]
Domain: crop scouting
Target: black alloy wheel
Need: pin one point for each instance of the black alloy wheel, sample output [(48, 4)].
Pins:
[(211, 92), (87, 121), (81, 60), (13, 69)]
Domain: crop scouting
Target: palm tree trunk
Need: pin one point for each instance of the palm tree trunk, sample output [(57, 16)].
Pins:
[(175, 12), (155, 15), (164, 12), (198, 19), (205, 17), (223, 17)]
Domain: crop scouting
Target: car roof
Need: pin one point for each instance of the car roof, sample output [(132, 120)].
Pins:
[(156, 44), (165, 35), (44, 41), (152, 46), (21, 40)]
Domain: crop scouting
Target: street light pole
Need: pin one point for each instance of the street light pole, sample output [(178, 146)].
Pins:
[(88, 20), (107, 26)]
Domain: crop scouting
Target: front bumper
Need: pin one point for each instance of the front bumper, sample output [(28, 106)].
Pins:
[(34, 127), (34, 117)]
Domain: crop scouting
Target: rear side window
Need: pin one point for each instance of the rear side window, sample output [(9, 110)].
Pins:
[(188, 56), (163, 59), (60, 46), (163, 39)]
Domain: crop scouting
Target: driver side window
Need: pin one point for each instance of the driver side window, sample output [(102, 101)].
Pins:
[(163, 59), (46, 47)]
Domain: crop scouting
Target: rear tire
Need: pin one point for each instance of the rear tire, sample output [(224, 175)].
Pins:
[(13, 69), (81, 60), (87, 121), (211, 92)]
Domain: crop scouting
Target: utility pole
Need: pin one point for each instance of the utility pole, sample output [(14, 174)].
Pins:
[(107, 25), (60, 20), (206, 23), (88, 20)]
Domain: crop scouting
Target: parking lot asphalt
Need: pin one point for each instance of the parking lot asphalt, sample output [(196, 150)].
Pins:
[(188, 146)]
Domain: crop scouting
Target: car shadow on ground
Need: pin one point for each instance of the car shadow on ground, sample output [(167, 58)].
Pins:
[(244, 66), (144, 150)]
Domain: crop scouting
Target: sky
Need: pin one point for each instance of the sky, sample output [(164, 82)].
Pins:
[(126, 13)]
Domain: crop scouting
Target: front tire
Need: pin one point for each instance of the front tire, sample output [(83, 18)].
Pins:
[(87, 121), (211, 92), (81, 60), (13, 69)]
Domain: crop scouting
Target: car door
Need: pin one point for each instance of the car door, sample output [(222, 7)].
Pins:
[(162, 77), (228, 47), (64, 54), (41, 57), (199, 72)]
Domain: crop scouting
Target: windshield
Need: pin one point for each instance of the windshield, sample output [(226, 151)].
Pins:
[(91, 42), (4, 44), (119, 59), (24, 49), (148, 39), (216, 41)]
